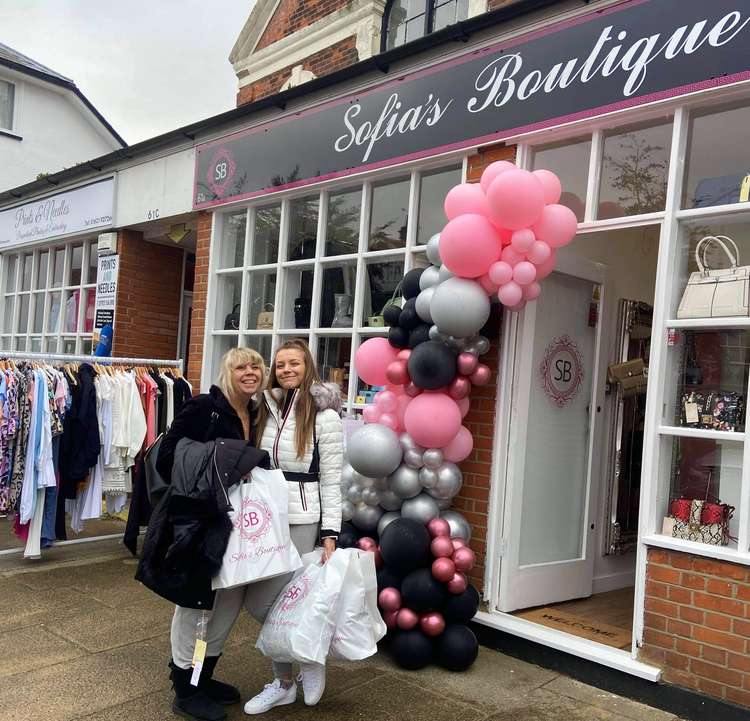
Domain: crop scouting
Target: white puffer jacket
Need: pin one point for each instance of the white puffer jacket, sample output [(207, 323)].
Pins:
[(278, 439)]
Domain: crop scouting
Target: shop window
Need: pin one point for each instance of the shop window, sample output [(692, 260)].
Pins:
[(260, 298), (303, 228), (381, 283), (41, 274), (50, 345), (266, 235), (37, 327), (228, 302), (23, 313), (5, 342), (342, 224), (53, 319), (89, 304), (718, 158), (570, 161), (68, 346), (407, 20), (8, 308), (635, 166), (76, 265), (93, 264), (26, 262), (433, 188), (334, 360), (337, 296), (20, 345), (261, 344), (233, 240), (35, 345), (389, 215), (59, 267), (10, 273), (7, 104), (296, 305)]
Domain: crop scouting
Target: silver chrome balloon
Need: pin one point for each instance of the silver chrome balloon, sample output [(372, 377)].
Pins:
[(386, 519), (406, 441), (444, 503), (366, 517), (390, 501), (433, 458), (433, 249), (460, 527), (428, 477), (405, 482), (422, 305), (445, 274), (366, 481), (459, 307), (347, 475), (374, 450), (430, 277), (449, 482), (421, 508), (482, 344), (413, 458), (347, 510), (354, 494), (435, 333), (381, 484), (371, 497)]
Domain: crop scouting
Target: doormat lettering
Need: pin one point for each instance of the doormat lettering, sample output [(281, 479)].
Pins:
[(580, 626)]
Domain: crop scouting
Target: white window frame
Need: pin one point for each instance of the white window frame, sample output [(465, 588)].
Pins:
[(14, 109)]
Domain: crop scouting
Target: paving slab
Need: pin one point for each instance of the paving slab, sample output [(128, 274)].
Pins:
[(31, 648), (542, 705), (23, 606)]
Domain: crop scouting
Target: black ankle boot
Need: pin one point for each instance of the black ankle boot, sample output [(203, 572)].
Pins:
[(223, 693), (190, 701)]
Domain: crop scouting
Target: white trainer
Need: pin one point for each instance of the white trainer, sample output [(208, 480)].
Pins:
[(313, 682), (273, 694)]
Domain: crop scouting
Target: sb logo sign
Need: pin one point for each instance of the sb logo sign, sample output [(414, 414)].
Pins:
[(561, 371), (221, 171)]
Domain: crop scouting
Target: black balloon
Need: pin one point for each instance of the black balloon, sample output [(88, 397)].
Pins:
[(398, 337), (411, 649), (457, 648), (421, 592), (409, 318), (347, 540), (391, 314), (461, 608), (432, 365), (405, 545), (410, 284), (421, 334), (387, 578), (349, 527)]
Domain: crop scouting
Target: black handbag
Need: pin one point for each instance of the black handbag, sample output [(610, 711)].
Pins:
[(232, 321)]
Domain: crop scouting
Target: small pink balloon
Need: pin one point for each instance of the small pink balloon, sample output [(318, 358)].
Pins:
[(372, 358), (390, 620), (397, 372), (492, 171), (466, 363), (457, 584), (524, 273), (443, 569), (532, 291), (546, 268), (366, 544), (464, 405), (403, 354), (516, 199), (390, 420), (457, 543), (464, 559), (510, 294), (481, 376), (522, 240), (488, 285), (378, 558), (389, 599), (432, 623), (411, 390), (469, 245), (459, 388), (371, 414), (539, 253), (557, 225), (387, 401), (439, 527), (460, 448), (512, 257), (441, 546), (501, 272), (465, 198), (407, 619), (551, 184)]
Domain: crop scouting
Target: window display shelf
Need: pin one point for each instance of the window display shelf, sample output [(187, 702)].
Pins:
[(373, 330), (707, 323), (713, 210), (724, 553), (727, 436)]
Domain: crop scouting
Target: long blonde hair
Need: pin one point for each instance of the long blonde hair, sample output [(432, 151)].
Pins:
[(234, 358)]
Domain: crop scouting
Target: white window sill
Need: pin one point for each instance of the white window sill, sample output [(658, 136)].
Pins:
[(723, 553), (9, 134)]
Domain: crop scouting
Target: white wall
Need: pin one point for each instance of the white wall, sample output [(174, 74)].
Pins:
[(57, 132)]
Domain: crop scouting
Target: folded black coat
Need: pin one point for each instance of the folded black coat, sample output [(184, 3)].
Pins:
[(190, 527)]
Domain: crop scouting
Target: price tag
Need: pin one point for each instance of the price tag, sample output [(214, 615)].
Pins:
[(199, 655), (691, 412), (195, 678)]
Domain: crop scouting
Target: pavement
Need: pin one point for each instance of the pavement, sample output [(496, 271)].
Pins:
[(80, 639)]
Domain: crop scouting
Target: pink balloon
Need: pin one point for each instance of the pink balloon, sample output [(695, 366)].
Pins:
[(411, 390), (489, 287), (464, 559), (390, 420), (492, 171), (439, 527), (469, 245), (378, 558), (457, 584), (539, 253), (441, 546), (395, 389), (403, 403), (463, 405), (510, 294), (372, 358), (397, 372), (390, 620), (403, 354), (522, 240), (443, 569), (512, 257), (387, 401), (432, 419), (481, 376), (465, 198), (516, 199), (557, 225), (432, 623), (460, 448), (466, 363), (524, 273), (518, 307), (366, 544), (532, 291), (546, 268), (505, 236), (459, 388), (407, 619), (389, 599), (457, 543), (371, 414), (551, 184), (501, 272)]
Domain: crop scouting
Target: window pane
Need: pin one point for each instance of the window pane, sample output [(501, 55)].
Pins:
[(228, 291), (93, 264), (57, 274), (261, 296), (21, 343), (449, 12), (337, 298), (35, 345), (296, 305), (50, 345), (434, 187), (11, 264), (221, 344), (570, 162), (233, 240), (266, 243), (53, 320), (26, 261), (415, 28), (72, 301), (303, 227), (76, 265), (401, 12), (7, 97), (342, 227), (41, 275), (69, 346), (389, 215), (8, 308), (634, 172), (5, 342), (88, 313), (381, 281), (38, 313), (261, 344), (23, 318), (334, 358)]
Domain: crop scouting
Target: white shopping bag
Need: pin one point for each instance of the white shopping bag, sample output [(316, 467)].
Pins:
[(359, 625), (260, 545), (301, 623)]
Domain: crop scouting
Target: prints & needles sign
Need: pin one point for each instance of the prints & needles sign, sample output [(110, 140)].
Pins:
[(631, 53)]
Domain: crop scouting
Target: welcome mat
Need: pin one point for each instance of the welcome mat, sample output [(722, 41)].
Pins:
[(579, 626)]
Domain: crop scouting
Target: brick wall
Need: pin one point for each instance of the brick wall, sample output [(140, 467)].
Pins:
[(200, 294), (149, 292), (293, 15), (697, 623), (339, 55)]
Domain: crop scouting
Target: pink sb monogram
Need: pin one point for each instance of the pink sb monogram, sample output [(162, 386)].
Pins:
[(254, 520)]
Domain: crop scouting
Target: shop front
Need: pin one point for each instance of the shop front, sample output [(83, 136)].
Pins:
[(620, 398)]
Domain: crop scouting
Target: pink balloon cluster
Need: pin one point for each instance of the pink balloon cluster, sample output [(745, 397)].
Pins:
[(395, 615), (453, 558), (505, 230)]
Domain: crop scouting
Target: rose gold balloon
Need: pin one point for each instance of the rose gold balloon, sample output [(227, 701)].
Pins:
[(366, 544), (390, 619), (397, 372), (466, 363), (443, 569), (464, 559), (481, 375), (457, 584), (457, 543), (403, 354), (432, 623), (441, 547), (407, 619), (389, 599), (439, 527), (411, 390), (459, 388)]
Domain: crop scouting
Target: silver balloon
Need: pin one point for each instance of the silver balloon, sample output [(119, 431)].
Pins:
[(459, 307), (421, 508), (449, 482), (347, 510), (428, 477), (374, 450), (366, 517), (445, 274), (422, 305), (365, 481), (460, 527), (354, 494), (458, 344), (405, 482), (435, 333), (386, 519), (482, 344), (371, 497), (430, 277), (413, 458), (433, 249), (390, 501), (381, 484), (444, 503), (407, 442), (433, 458), (347, 476)]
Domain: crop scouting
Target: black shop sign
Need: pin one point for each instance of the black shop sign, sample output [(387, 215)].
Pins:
[(632, 53)]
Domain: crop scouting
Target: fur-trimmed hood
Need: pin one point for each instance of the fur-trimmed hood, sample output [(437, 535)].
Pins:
[(327, 396)]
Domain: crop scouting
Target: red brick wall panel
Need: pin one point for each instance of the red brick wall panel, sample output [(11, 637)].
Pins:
[(200, 295), (293, 15)]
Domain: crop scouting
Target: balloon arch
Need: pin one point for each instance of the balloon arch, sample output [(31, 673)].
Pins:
[(401, 474)]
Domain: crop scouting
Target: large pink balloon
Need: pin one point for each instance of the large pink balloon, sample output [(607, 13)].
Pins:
[(465, 198), (557, 225), (432, 420), (551, 184), (510, 294), (524, 273), (492, 171), (516, 199), (501, 272), (546, 268), (372, 359), (539, 252), (469, 245), (460, 447)]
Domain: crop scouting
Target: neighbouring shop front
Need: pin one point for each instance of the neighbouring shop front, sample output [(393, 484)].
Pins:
[(619, 404)]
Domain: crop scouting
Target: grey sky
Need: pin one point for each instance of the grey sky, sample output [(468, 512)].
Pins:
[(147, 65)]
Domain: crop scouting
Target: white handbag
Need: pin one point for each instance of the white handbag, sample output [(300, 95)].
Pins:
[(716, 293)]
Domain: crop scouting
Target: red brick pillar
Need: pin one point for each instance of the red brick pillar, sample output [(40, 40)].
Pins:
[(200, 295)]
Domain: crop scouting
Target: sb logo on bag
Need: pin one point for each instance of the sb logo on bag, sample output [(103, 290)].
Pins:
[(254, 520), (295, 593)]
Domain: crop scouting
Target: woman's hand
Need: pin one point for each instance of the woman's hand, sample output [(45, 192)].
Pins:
[(329, 546)]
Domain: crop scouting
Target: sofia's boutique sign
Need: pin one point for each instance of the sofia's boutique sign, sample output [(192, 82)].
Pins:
[(634, 52)]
